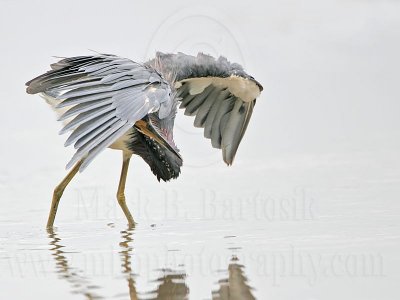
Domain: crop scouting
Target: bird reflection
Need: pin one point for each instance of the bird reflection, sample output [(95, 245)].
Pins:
[(235, 286), (125, 254), (79, 284), (171, 286)]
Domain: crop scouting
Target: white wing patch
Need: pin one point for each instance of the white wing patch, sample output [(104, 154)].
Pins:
[(243, 88)]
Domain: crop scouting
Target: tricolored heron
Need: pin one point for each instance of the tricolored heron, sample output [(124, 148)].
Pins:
[(108, 101)]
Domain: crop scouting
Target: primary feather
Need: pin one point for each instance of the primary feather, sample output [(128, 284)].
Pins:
[(105, 94), (100, 98), (220, 94)]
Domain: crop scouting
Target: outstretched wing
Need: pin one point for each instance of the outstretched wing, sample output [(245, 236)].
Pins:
[(104, 95), (219, 93)]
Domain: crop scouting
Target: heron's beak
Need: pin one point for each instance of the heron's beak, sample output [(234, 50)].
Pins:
[(148, 130)]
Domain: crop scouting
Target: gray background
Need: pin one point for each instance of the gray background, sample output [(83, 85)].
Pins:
[(327, 124)]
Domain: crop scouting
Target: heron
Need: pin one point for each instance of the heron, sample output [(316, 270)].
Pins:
[(107, 101)]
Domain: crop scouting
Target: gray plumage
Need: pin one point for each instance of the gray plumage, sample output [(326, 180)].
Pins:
[(102, 98), (223, 115), (187, 66)]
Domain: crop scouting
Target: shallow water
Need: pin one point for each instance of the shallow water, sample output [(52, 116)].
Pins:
[(279, 239), (309, 210)]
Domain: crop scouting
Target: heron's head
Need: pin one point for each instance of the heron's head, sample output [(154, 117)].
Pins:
[(164, 162), (155, 145)]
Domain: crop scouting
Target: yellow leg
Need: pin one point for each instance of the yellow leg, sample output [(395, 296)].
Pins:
[(121, 189), (58, 191)]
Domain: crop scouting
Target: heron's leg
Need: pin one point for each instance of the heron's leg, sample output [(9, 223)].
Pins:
[(121, 188), (58, 191)]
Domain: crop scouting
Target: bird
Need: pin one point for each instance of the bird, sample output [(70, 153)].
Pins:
[(107, 101)]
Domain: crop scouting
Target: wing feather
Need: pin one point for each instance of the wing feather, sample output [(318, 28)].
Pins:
[(213, 112), (86, 116), (235, 128), (220, 94), (186, 100), (88, 127), (104, 96), (105, 143), (197, 101), (84, 151), (205, 108), (225, 108), (77, 100), (84, 107), (87, 137)]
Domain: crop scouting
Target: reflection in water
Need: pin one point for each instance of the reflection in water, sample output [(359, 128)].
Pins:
[(171, 286), (79, 284), (126, 253), (235, 286)]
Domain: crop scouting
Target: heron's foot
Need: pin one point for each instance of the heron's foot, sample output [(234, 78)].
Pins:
[(122, 202)]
